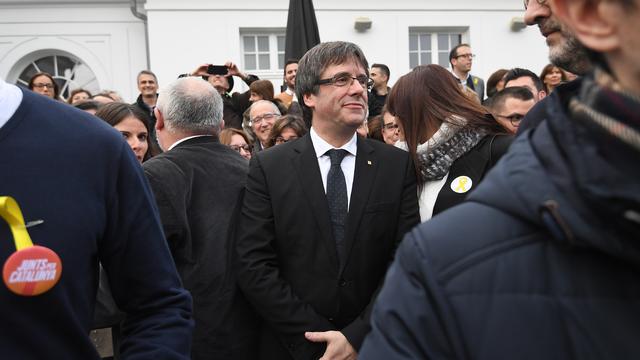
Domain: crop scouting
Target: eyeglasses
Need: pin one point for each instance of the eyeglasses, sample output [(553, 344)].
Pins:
[(514, 119), (41, 85), (266, 116), (245, 147), (466, 56), (526, 3), (345, 79), (281, 140), (390, 126)]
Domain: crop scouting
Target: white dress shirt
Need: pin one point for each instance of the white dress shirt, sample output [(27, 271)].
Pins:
[(348, 164), (10, 99), (429, 194)]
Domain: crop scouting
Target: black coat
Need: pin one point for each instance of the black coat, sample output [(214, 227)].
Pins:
[(288, 265), (236, 104), (541, 262), (197, 185), (474, 164)]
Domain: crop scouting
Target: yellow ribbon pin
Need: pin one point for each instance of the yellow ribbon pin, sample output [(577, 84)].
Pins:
[(461, 184), (11, 213)]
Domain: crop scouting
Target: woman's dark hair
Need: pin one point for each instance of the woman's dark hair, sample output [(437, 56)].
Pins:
[(493, 81), (546, 70), (226, 135), (56, 88), (88, 105), (287, 121), (113, 113), (424, 98), (263, 88), (78, 91), (375, 127)]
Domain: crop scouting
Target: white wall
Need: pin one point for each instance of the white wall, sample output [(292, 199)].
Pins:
[(183, 34), (186, 33), (107, 37)]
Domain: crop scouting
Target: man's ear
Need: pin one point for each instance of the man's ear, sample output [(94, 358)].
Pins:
[(309, 100), (593, 22), (542, 94), (159, 119), (222, 124)]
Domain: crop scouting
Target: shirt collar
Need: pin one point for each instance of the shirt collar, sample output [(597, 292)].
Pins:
[(321, 146), (10, 99), (289, 91), (456, 76), (185, 139)]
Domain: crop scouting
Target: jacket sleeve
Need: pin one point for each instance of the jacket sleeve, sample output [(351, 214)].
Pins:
[(143, 278), (240, 101), (258, 272), (408, 217), (406, 322)]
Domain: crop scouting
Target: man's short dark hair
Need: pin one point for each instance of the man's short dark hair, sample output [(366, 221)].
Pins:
[(454, 52), (517, 73), (317, 59), (384, 68), (146, 72), (289, 62), (515, 92)]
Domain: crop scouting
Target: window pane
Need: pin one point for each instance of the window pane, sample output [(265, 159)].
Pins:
[(281, 61), (413, 42), (425, 58), (265, 63), (250, 62), (413, 60), (280, 43), (443, 41), (443, 59), (65, 65), (456, 39), (263, 43), (28, 73), (249, 43), (425, 42), (46, 65)]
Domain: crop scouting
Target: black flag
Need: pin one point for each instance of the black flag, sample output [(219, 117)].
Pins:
[(302, 29)]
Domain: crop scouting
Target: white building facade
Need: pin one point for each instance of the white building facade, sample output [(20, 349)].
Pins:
[(99, 44)]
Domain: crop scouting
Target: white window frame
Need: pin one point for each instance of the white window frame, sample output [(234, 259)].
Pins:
[(435, 50), (274, 53)]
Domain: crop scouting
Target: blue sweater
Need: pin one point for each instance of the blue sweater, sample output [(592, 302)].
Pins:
[(76, 173)]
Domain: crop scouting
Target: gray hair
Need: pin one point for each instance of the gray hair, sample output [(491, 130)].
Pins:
[(274, 106), (191, 105), (146, 72), (317, 59)]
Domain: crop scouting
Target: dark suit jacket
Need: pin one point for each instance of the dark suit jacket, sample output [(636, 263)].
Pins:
[(287, 260), (197, 185)]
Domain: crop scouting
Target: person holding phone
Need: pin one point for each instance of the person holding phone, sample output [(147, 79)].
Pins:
[(221, 77)]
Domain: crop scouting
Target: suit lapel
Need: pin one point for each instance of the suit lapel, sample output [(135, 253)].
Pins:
[(363, 178), (472, 165), (306, 166)]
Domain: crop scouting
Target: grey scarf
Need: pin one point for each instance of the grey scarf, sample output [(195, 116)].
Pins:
[(448, 144)]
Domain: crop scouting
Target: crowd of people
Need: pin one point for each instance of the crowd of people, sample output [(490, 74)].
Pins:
[(341, 218), (506, 107)]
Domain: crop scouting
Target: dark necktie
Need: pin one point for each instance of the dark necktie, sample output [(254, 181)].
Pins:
[(338, 200)]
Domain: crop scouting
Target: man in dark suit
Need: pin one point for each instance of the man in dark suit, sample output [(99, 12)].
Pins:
[(197, 182), (322, 217)]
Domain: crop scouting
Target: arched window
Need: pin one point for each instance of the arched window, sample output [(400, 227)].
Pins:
[(68, 72)]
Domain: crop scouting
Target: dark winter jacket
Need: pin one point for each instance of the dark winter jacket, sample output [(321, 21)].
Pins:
[(542, 262)]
